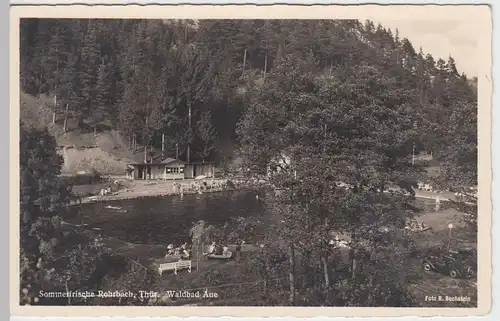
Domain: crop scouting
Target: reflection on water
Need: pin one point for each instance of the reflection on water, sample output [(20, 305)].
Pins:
[(165, 219)]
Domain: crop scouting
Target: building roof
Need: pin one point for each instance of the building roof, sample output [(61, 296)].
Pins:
[(200, 163), (155, 158), (169, 160), (137, 158)]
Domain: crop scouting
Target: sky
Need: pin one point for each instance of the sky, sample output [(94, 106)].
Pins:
[(442, 39)]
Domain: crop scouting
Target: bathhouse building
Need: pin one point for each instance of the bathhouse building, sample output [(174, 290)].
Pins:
[(158, 167)]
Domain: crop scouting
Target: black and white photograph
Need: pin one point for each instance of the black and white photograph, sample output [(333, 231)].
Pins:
[(262, 162)]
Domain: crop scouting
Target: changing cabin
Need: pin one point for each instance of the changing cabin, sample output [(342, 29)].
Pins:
[(158, 167)]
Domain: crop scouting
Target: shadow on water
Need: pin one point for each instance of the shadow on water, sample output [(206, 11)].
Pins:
[(160, 220)]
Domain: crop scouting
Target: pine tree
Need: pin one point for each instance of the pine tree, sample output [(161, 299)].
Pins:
[(451, 67), (41, 40), (170, 123), (103, 105), (195, 80), (90, 59), (69, 97), (54, 63), (206, 132), (27, 55)]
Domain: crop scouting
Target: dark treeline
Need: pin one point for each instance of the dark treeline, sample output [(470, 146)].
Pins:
[(191, 80)]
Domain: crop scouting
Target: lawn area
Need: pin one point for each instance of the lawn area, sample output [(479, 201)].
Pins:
[(440, 233), (433, 283)]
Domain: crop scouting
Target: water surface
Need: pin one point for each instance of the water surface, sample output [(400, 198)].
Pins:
[(160, 220)]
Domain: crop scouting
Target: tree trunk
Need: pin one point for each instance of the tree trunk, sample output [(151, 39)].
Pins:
[(65, 126), (324, 261), (198, 256), (54, 110), (324, 257), (145, 172), (264, 271), (352, 253), (370, 283), (67, 292), (40, 80), (265, 66), (291, 275), (265, 283), (162, 145), (353, 263), (189, 142), (244, 62)]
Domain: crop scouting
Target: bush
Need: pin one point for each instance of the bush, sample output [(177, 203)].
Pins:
[(94, 177)]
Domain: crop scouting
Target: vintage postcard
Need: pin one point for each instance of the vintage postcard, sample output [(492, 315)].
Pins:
[(251, 160)]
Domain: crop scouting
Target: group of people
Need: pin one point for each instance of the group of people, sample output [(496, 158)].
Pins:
[(183, 250), (105, 191), (223, 250), (215, 248), (218, 249), (178, 188)]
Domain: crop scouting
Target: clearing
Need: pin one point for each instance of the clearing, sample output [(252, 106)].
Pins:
[(83, 151)]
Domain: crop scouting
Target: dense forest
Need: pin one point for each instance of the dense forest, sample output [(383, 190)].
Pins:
[(346, 99), (191, 80)]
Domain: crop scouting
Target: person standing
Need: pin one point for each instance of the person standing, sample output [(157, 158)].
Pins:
[(238, 251), (211, 248)]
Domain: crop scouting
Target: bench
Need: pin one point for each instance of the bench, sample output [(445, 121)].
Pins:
[(175, 266)]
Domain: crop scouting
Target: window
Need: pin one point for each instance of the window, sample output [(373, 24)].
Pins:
[(174, 170)]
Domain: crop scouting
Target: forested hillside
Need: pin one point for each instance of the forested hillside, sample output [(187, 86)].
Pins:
[(192, 80), (344, 103)]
